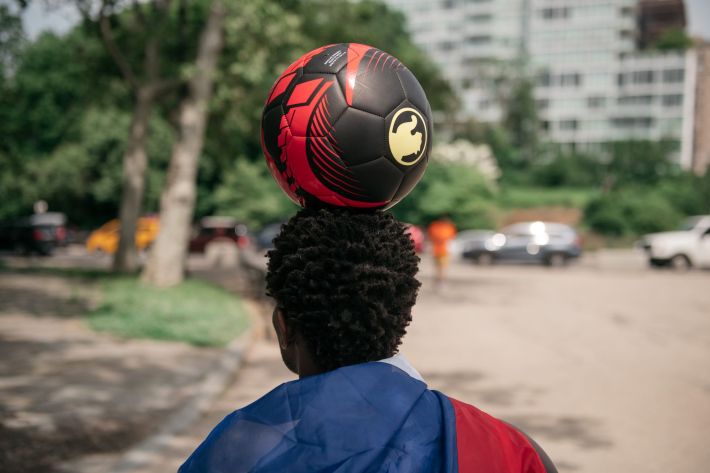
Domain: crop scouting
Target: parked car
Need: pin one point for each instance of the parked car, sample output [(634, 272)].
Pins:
[(469, 240), (553, 244), (218, 229), (40, 233), (265, 237), (688, 246), (106, 237)]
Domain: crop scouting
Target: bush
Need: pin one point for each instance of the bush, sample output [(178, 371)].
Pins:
[(457, 190), (631, 212), (250, 194), (688, 193), (193, 312)]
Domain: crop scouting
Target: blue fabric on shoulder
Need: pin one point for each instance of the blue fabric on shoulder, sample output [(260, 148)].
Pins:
[(371, 417)]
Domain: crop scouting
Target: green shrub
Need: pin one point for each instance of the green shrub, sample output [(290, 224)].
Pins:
[(194, 312), (456, 190), (605, 216), (631, 212)]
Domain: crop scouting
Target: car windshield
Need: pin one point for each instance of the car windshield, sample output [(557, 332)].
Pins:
[(688, 224)]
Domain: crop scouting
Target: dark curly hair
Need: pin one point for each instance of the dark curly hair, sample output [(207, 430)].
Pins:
[(346, 279)]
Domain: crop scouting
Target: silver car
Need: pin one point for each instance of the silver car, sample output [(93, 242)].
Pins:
[(553, 244)]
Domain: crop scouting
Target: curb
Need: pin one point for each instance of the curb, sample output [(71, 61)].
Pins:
[(224, 370)]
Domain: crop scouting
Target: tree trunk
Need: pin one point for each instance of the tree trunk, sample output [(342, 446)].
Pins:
[(166, 264), (135, 162)]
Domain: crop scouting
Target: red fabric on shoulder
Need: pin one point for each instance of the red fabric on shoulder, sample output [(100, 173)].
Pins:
[(488, 445)]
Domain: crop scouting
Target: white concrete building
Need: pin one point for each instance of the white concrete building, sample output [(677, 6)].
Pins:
[(473, 41), (593, 85)]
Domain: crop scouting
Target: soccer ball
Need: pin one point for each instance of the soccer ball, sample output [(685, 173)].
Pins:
[(347, 125)]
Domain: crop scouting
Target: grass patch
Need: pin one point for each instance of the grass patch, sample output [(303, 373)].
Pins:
[(194, 312), (530, 197)]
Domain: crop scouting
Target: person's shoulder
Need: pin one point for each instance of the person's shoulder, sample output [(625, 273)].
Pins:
[(484, 438)]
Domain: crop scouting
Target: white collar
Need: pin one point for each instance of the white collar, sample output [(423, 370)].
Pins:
[(401, 362)]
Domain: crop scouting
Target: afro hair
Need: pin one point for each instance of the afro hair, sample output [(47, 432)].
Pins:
[(347, 281)]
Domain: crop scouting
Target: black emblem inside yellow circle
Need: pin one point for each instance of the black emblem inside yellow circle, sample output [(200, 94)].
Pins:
[(407, 136)]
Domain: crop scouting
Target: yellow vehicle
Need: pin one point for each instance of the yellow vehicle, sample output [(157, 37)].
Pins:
[(105, 238)]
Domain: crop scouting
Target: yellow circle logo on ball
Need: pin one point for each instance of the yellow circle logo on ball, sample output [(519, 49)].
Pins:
[(407, 136)]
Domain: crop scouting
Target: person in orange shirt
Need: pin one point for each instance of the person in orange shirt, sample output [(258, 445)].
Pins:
[(441, 232)]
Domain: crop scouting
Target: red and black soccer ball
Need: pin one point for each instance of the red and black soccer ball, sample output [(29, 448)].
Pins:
[(347, 125)]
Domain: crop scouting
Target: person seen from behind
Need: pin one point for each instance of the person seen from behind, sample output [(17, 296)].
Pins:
[(441, 232), (344, 284)]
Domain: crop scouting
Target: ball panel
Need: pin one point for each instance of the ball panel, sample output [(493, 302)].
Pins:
[(272, 123), (329, 61), (410, 179), (280, 87), (408, 135), (379, 177), (376, 87), (360, 136), (414, 91), (332, 171), (303, 101), (326, 113)]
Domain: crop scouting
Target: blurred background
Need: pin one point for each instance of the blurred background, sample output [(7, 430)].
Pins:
[(571, 154)]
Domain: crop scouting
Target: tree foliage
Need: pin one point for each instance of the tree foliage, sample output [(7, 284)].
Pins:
[(673, 39), (456, 190), (65, 106)]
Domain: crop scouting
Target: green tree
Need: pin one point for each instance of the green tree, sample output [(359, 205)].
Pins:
[(249, 194), (521, 119), (633, 211), (456, 190), (12, 40), (673, 39), (640, 162)]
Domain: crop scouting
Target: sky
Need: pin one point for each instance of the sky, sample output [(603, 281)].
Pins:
[(37, 19)]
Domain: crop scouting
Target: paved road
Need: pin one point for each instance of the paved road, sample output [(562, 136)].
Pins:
[(605, 364)]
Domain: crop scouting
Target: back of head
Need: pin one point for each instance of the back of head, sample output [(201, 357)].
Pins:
[(346, 280)]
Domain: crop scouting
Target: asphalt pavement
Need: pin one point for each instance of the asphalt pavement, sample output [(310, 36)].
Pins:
[(604, 363)]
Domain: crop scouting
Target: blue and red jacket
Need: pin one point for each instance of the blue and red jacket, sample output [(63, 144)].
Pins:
[(372, 417)]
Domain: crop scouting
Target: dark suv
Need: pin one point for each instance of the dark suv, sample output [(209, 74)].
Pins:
[(553, 244), (218, 229), (40, 233)]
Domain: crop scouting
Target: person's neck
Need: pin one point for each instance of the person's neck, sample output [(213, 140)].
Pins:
[(305, 362)]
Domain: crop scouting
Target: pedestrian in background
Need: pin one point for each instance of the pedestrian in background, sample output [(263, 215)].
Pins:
[(441, 232)]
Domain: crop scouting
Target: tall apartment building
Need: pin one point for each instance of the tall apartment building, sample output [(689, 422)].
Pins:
[(594, 81), (472, 41), (701, 136)]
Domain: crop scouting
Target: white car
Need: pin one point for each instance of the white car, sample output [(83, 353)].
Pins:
[(687, 247)]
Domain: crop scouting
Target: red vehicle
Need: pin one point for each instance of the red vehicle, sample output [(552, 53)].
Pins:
[(417, 236), (218, 229)]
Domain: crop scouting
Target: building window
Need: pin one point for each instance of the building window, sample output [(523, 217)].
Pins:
[(673, 75), (632, 122), (569, 124), (480, 18), (544, 79), (570, 80), (478, 39), (554, 13), (542, 104), (545, 125), (596, 101), (642, 77), (673, 100), (635, 100)]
